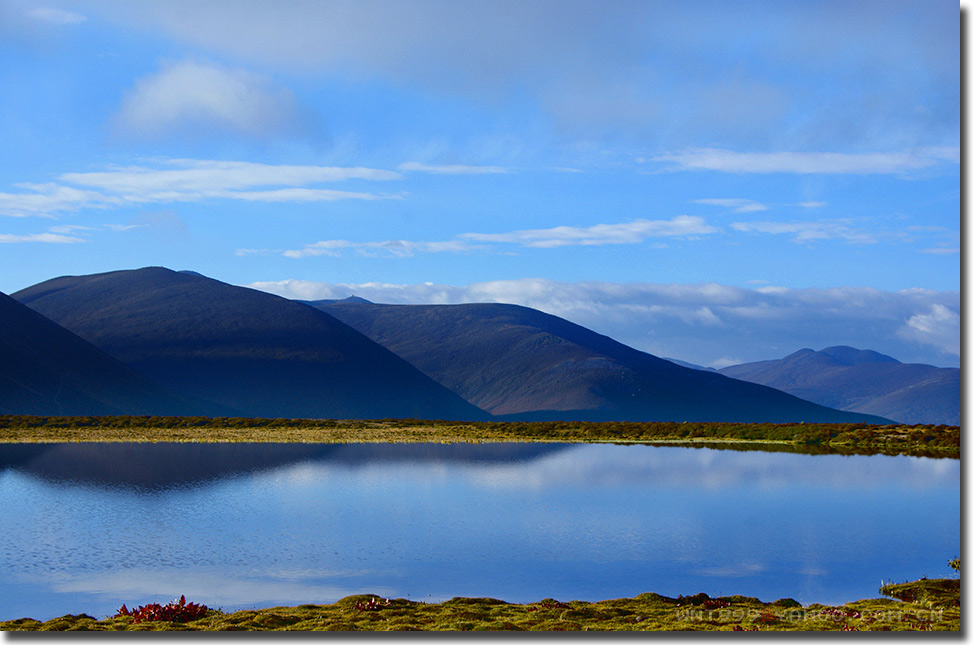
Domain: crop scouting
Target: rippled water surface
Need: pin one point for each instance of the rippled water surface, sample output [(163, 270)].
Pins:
[(84, 528)]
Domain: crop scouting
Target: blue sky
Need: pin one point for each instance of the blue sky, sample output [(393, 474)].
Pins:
[(711, 181)]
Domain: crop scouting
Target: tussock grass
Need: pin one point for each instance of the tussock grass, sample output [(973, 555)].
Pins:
[(646, 612), (940, 592), (816, 438)]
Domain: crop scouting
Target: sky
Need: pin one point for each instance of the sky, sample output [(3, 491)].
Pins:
[(709, 181)]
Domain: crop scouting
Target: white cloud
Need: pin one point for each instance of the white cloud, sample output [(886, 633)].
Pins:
[(325, 247), (567, 170), (810, 231), (940, 327), (50, 238), (427, 41), (852, 74), (246, 252), (188, 180), (946, 153), (70, 228), (190, 175), (813, 204), (65, 234), (699, 322), (624, 233), (296, 195), (799, 162), (724, 361), (737, 205), (413, 166), (46, 199), (388, 248), (857, 232), (196, 97), (56, 16)]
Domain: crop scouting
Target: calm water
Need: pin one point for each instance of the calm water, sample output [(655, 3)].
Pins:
[(84, 528)]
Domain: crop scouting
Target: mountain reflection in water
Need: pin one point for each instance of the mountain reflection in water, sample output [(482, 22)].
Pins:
[(164, 465), (87, 527)]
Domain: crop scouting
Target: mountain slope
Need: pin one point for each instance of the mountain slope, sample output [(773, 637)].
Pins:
[(260, 354), (47, 370), (862, 381), (512, 360), (692, 366)]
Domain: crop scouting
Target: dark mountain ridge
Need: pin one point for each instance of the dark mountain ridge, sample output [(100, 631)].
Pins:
[(521, 363), (862, 381), (255, 352), (47, 370)]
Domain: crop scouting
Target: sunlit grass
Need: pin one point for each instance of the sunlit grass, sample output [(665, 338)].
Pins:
[(921, 440), (646, 612)]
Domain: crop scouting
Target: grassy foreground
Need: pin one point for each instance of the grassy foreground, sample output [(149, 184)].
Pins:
[(918, 440), (933, 605)]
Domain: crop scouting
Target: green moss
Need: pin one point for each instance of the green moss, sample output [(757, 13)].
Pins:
[(936, 608), (931, 593)]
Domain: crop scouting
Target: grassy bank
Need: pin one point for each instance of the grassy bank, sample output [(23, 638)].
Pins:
[(934, 605), (920, 440)]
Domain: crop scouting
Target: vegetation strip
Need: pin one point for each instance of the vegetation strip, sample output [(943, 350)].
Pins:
[(816, 438), (932, 605)]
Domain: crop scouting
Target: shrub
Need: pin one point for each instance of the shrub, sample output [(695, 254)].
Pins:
[(178, 611)]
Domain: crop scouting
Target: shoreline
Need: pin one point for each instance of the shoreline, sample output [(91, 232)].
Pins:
[(921, 605), (846, 439)]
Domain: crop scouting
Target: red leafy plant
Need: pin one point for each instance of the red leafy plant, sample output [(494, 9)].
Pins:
[(178, 611)]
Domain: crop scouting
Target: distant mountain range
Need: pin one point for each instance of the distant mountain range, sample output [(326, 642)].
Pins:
[(252, 352), (156, 341), (520, 363), (692, 366), (47, 370), (862, 381)]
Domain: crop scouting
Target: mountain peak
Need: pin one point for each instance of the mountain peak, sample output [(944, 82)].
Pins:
[(350, 300), (851, 356), (524, 364), (862, 380), (839, 355), (240, 348)]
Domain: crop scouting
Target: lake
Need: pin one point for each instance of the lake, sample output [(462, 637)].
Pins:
[(87, 527)]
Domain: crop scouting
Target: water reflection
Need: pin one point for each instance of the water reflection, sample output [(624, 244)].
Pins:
[(248, 525), (604, 466), (164, 465)]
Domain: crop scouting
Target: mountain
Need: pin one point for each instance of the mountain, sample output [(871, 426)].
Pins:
[(692, 366), (257, 353), (525, 364), (862, 381), (46, 370)]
